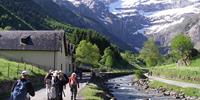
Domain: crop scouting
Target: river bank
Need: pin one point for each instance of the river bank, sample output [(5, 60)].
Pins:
[(166, 89)]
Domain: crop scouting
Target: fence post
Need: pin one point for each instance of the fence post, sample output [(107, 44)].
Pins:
[(32, 68), (8, 70), (24, 66), (17, 69), (38, 68)]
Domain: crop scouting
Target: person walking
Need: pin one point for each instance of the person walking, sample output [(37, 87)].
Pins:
[(22, 88), (53, 93), (47, 81), (73, 84), (61, 82)]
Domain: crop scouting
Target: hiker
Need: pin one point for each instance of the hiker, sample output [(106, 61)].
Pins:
[(47, 81), (58, 81), (22, 88), (61, 82), (73, 84), (53, 92)]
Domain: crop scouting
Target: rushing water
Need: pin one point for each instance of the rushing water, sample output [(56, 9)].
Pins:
[(123, 90)]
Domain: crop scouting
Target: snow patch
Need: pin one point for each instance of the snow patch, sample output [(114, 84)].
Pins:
[(160, 27)]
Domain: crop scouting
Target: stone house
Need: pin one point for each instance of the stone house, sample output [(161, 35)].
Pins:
[(47, 49)]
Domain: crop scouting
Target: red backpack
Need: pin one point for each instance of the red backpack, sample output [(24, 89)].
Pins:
[(73, 80)]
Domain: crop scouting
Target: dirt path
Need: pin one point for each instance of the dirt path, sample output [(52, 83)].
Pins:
[(41, 94), (172, 82)]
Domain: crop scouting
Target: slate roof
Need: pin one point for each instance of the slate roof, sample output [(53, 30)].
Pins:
[(31, 40)]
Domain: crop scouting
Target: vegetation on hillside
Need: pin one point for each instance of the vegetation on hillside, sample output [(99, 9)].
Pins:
[(9, 21), (28, 11)]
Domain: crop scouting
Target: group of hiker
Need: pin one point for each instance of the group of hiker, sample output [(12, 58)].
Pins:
[(55, 81)]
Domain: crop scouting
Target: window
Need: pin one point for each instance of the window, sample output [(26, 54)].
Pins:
[(26, 40), (61, 67)]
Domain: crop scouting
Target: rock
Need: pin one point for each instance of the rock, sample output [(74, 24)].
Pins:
[(193, 98), (146, 99), (130, 97), (145, 87), (116, 87), (184, 99), (181, 95), (173, 93), (113, 98), (166, 93)]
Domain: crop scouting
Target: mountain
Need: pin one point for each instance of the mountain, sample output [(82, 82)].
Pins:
[(67, 15), (166, 17), (127, 23), (133, 21)]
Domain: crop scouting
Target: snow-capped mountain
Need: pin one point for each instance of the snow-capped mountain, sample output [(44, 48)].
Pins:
[(166, 17), (133, 21)]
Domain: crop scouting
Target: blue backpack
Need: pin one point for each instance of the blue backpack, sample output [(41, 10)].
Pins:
[(20, 90)]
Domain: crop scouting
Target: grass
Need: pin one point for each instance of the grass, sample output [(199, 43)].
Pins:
[(186, 74), (14, 73), (195, 63), (15, 68), (187, 91), (92, 92)]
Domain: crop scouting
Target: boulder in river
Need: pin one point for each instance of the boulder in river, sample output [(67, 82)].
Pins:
[(166, 93)]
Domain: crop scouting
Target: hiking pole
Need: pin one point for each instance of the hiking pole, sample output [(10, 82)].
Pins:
[(63, 93)]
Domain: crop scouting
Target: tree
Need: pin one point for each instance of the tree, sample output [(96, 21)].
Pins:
[(87, 53), (129, 56), (109, 61), (181, 46), (150, 53), (107, 58)]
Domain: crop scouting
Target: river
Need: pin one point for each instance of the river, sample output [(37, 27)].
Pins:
[(122, 89)]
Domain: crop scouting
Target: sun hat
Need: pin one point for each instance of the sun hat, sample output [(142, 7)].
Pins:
[(73, 75), (55, 74), (24, 72)]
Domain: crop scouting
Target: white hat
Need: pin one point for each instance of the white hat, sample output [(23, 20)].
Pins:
[(55, 74), (24, 72)]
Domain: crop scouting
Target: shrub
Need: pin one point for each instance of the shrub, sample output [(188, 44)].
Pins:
[(139, 74)]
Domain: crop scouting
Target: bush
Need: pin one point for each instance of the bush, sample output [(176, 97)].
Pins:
[(139, 74)]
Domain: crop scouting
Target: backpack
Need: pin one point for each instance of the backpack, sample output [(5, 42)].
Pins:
[(52, 90), (73, 80), (52, 93), (66, 78), (20, 90)]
